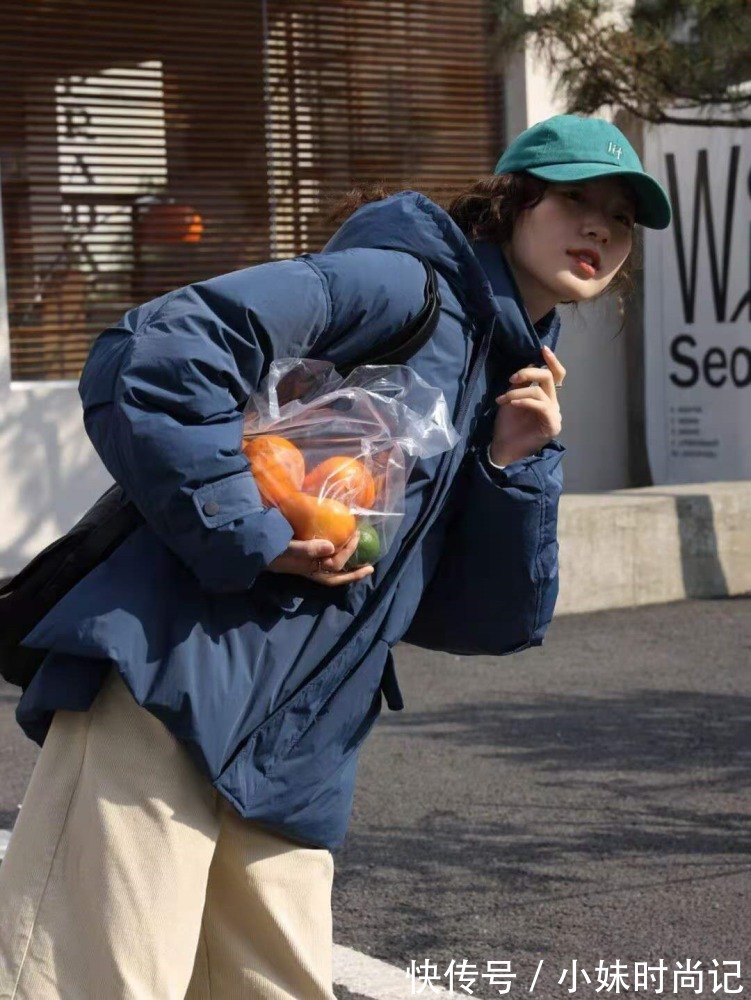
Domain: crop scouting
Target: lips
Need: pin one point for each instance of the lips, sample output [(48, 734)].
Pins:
[(586, 256)]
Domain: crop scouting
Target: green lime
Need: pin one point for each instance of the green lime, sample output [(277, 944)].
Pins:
[(368, 548)]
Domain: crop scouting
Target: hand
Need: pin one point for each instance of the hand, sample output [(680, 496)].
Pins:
[(320, 561), (528, 415)]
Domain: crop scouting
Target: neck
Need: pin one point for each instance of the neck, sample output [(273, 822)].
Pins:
[(537, 299)]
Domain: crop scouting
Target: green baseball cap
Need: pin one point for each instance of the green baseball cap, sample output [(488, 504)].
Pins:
[(574, 148)]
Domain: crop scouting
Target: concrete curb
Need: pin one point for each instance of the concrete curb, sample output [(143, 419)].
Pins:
[(652, 545)]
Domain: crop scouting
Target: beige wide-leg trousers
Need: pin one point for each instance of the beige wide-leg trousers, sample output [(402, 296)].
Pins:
[(129, 876)]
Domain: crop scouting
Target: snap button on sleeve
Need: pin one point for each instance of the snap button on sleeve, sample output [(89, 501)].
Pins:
[(230, 499)]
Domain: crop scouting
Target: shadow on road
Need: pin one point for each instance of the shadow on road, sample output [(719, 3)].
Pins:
[(647, 783), (668, 732)]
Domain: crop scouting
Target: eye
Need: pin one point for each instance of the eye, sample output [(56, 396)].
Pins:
[(573, 193), (626, 220)]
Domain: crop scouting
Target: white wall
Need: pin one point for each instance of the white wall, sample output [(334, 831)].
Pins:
[(593, 399), (49, 471)]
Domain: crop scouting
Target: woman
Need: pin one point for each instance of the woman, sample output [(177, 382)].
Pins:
[(208, 688)]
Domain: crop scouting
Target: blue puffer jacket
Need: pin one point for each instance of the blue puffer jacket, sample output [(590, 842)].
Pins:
[(272, 681)]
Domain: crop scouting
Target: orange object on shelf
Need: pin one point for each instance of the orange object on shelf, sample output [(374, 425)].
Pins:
[(168, 222), (277, 465), (344, 479), (318, 518)]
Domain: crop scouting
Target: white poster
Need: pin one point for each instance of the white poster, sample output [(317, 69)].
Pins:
[(697, 285)]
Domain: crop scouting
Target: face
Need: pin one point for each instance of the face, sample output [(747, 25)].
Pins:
[(570, 246)]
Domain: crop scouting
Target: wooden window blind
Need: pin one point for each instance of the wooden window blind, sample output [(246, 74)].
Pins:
[(144, 145)]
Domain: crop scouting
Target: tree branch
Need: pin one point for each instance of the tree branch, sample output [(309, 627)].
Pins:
[(668, 56)]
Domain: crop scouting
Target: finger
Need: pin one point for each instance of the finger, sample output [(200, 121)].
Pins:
[(337, 561), (337, 579), (543, 377), (539, 406), (311, 553), (313, 548), (528, 392), (530, 374), (554, 365)]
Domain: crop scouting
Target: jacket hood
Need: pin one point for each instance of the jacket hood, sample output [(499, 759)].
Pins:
[(478, 273)]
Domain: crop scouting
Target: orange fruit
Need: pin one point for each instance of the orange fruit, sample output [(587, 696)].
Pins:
[(278, 466), (342, 478), (314, 518), (379, 484)]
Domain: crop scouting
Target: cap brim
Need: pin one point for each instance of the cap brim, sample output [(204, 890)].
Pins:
[(652, 204)]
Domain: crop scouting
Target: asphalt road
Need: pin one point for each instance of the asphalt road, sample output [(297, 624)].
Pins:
[(587, 801)]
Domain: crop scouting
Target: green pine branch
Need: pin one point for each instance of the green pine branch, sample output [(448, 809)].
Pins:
[(660, 57)]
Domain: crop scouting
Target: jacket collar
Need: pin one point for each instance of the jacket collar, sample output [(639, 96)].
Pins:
[(515, 332)]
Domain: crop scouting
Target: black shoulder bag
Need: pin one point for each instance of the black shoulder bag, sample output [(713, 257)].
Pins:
[(27, 597)]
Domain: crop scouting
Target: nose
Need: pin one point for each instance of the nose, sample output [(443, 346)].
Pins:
[(597, 227)]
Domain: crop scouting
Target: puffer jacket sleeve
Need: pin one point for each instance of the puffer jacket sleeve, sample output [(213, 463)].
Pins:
[(164, 392), (496, 582)]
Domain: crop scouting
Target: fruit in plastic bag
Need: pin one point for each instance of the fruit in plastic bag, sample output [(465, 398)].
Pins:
[(312, 517), (342, 478), (278, 466), (368, 548), (371, 428)]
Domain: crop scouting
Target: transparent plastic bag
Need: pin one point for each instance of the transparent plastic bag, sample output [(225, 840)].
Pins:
[(334, 455)]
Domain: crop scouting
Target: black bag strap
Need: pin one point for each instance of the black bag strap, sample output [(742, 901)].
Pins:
[(405, 343)]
